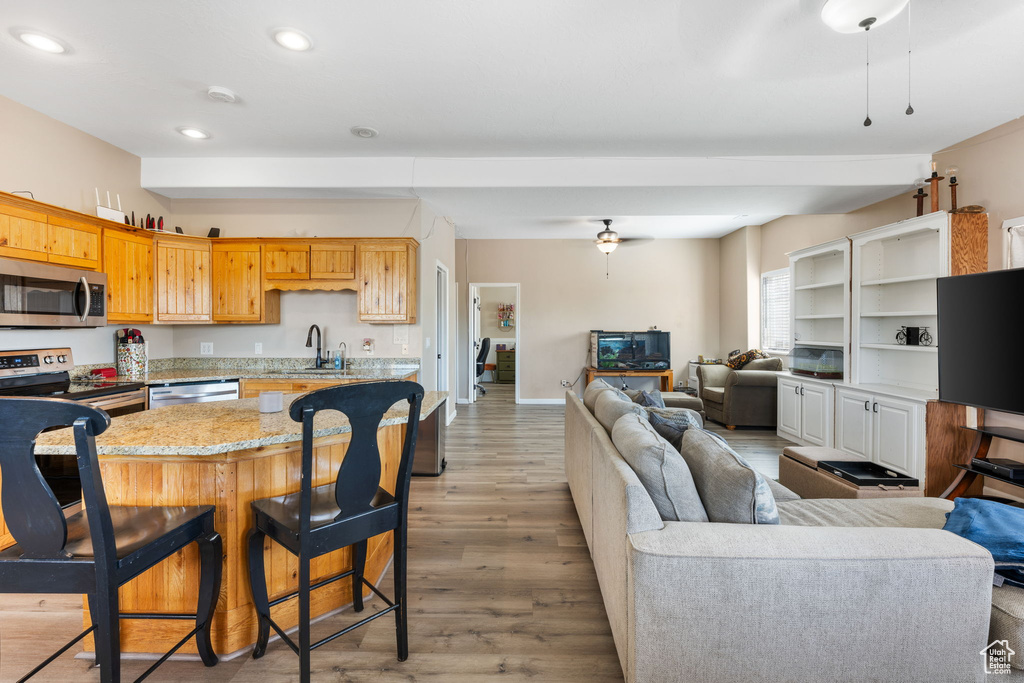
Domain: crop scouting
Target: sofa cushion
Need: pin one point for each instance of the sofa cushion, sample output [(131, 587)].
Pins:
[(781, 493), (767, 364), (672, 424), (912, 513), (714, 394), (650, 399), (660, 468), (1008, 621), (611, 405), (591, 392), (731, 490)]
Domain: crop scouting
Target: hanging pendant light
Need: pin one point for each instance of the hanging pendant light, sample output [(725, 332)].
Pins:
[(607, 241), (866, 23), (910, 107)]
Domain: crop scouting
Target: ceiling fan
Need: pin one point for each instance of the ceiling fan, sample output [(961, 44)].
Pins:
[(608, 240)]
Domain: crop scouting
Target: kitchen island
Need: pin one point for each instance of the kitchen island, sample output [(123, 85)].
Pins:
[(228, 454)]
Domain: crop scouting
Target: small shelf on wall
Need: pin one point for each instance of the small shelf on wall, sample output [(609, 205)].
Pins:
[(820, 285), (831, 344), (901, 347), (898, 314), (899, 280)]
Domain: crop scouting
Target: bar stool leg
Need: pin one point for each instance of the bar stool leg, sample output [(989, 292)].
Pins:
[(105, 612), (401, 621), (358, 566), (304, 641), (258, 585), (210, 564)]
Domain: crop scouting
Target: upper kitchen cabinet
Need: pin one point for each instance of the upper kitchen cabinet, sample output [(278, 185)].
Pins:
[(23, 233), (238, 292), (73, 243), (183, 280), (322, 264), (387, 280), (128, 263)]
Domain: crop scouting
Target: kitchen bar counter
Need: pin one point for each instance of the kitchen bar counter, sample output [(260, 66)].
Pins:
[(228, 454), (213, 374)]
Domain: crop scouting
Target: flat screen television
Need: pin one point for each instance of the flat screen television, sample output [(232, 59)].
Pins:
[(980, 330)]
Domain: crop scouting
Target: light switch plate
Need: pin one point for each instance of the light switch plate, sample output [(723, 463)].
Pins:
[(259, 349)]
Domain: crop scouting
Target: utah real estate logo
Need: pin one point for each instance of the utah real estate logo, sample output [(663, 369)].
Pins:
[(998, 656)]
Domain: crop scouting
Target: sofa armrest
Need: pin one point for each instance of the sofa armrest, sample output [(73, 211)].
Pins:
[(753, 378), (782, 603), (713, 375)]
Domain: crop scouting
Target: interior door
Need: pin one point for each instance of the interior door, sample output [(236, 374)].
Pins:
[(441, 335), (474, 338), (854, 425), (895, 434), (816, 414), (789, 408)]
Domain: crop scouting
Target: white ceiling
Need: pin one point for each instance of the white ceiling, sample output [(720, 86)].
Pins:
[(576, 78)]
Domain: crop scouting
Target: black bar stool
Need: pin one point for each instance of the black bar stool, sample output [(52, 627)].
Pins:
[(98, 550), (322, 519)]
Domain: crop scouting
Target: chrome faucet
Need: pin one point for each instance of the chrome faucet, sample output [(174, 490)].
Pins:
[(343, 350), (319, 344)]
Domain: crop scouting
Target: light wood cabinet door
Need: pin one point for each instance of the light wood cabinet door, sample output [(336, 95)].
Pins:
[(387, 288), (237, 282), (128, 263), (183, 281), (72, 243), (332, 261), (854, 423), (788, 408), (895, 435), (284, 261), (251, 388), (23, 234)]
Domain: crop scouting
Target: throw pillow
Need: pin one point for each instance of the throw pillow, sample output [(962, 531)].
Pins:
[(671, 413), (659, 468), (591, 392), (732, 491), (672, 424), (737, 361), (996, 527), (650, 399), (611, 405)]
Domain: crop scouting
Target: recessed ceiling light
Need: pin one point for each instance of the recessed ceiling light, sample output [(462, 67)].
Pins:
[(41, 41), (221, 94), (364, 132), (194, 133), (292, 39)]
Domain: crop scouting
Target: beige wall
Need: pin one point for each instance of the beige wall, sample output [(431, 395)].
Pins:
[(739, 287), (490, 297), (564, 294)]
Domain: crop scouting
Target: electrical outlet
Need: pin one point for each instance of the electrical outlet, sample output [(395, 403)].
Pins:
[(566, 383), (405, 349), (259, 348), (205, 348)]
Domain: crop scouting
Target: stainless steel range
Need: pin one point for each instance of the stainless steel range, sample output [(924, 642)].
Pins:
[(46, 373)]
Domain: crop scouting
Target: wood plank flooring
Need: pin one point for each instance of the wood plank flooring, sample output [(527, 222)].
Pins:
[(501, 584)]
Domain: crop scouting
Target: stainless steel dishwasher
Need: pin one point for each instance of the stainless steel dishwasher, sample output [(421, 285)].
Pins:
[(176, 393)]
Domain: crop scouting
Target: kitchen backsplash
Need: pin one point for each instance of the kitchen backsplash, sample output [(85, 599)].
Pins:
[(256, 364)]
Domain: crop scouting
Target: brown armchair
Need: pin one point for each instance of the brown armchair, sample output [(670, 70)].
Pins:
[(740, 398)]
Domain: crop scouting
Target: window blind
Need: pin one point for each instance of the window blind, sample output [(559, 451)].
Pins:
[(775, 332)]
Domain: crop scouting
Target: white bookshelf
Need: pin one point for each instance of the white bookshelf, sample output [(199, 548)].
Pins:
[(820, 297), (895, 269)]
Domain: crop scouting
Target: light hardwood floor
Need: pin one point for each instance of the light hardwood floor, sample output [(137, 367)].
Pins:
[(501, 584)]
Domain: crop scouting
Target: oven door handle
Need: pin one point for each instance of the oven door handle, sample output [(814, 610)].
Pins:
[(83, 284)]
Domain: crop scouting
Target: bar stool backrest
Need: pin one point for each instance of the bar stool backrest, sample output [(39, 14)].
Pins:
[(364, 405), (31, 511)]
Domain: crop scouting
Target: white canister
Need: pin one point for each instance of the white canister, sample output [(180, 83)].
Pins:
[(271, 401)]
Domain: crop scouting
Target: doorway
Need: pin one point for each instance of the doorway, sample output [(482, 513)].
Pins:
[(494, 316), (441, 334)]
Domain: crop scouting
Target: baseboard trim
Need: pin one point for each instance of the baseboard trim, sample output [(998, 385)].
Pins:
[(542, 401), (462, 401), (451, 417)]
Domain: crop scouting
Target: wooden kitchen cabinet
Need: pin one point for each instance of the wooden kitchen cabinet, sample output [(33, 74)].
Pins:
[(286, 261), (23, 233), (331, 260), (251, 388), (238, 294), (128, 263), (320, 264), (387, 281), (73, 243), (183, 280)]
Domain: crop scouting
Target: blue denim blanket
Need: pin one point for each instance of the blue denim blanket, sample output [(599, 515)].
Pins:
[(997, 527)]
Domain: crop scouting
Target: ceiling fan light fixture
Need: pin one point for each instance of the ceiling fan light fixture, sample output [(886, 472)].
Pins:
[(854, 16), (607, 246)]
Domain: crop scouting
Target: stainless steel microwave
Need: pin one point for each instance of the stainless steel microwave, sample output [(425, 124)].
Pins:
[(43, 295)]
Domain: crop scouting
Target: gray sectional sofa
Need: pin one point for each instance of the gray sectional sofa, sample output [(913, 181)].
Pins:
[(841, 590)]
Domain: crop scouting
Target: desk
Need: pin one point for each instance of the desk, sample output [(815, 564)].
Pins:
[(665, 375)]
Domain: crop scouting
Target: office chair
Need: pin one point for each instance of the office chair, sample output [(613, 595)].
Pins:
[(485, 347)]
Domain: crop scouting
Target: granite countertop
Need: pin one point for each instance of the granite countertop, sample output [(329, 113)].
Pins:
[(212, 374), (204, 429)]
